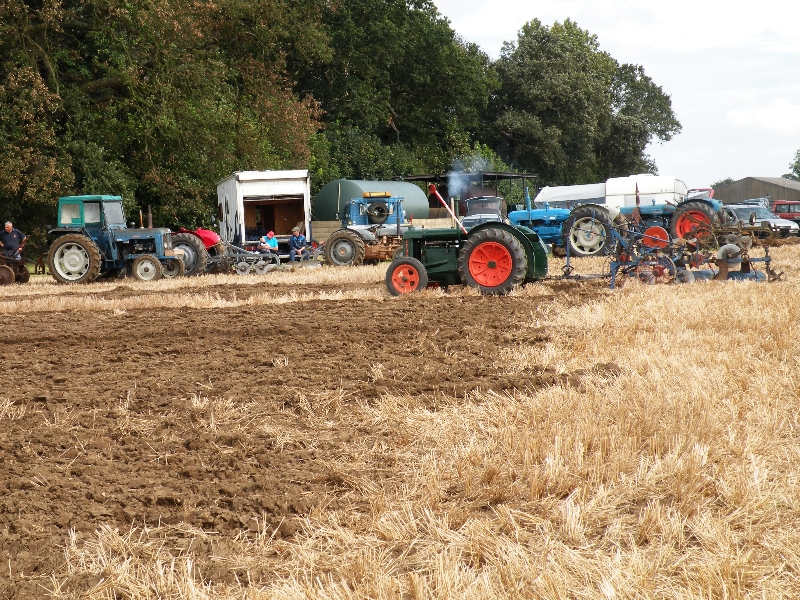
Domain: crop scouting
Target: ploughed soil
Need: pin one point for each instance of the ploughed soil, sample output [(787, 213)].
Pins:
[(109, 417)]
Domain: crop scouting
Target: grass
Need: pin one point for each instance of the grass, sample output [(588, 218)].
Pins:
[(662, 465)]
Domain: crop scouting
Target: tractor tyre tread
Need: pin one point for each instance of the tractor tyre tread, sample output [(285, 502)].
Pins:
[(592, 213), (354, 239), (199, 249), (145, 258), (692, 205), (519, 260), (95, 258)]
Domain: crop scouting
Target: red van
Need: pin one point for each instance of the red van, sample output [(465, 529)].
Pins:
[(786, 209)]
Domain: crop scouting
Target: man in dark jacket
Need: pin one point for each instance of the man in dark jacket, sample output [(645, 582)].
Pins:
[(298, 247), (12, 240)]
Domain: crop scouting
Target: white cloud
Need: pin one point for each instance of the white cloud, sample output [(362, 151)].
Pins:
[(781, 116), (729, 68)]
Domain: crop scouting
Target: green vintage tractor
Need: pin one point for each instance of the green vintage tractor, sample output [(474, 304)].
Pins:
[(492, 257)]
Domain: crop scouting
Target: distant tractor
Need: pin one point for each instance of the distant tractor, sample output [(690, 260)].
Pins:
[(372, 230), (92, 240), (492, 257)]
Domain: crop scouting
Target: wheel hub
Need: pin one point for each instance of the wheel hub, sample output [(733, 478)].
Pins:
[(344, 251), (74, 259), (490, 264)]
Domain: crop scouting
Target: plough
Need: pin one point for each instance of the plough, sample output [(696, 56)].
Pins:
[(651, 256)]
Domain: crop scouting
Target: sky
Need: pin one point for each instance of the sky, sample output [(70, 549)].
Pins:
[(731, 68)]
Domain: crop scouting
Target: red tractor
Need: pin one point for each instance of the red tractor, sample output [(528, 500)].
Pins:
[(204, 251)]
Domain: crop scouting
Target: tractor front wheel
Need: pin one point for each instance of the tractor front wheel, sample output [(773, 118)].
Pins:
[(406, 275), (492, 260), (344, 248), (195, 255), (173, 267), (74, 258), (146, 268)]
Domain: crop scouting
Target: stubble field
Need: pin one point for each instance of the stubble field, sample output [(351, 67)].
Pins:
[(305, 435)]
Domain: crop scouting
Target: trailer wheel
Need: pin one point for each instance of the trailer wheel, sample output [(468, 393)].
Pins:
[(344, 248), (74, 258), (173, 267), (6, 275), (146, 268), (588, 231), (692, 220), (195, 255), (492, 260), (406, 275)]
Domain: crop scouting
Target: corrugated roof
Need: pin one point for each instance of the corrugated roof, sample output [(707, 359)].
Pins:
[(782, 181)]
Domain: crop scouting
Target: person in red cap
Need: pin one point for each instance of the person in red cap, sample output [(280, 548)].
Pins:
[(268, 243)]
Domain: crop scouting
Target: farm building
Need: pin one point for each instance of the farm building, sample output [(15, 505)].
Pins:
[(777, 188)]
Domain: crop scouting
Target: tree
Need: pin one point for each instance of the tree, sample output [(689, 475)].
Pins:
[(400, 90), (794, 174), (570, 112), (154, 99), (722, 182)]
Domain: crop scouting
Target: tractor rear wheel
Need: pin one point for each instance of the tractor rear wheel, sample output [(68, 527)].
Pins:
[(406, 275), (74, 258), (173, 267), (146, 268), (588, 231), (692, 220), (6, 275), (492, 260), (195, 255), (344, 248)]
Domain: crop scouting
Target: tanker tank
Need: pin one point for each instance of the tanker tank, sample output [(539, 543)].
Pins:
[(337, 193)]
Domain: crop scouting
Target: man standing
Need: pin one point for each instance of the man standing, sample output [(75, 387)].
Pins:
[(12, 241), (298, 245)]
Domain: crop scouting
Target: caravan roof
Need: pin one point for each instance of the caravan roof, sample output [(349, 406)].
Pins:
[(592, 192), (648, 184)]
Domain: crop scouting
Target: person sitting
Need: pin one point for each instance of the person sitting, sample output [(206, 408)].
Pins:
[(298, 247), (268, 243), (12, 241)]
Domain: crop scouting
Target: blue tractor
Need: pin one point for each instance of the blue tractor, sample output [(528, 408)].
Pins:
[(372, 230), (580, 218), (93, 240)]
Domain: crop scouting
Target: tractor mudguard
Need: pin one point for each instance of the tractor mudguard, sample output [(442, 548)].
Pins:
[(365, 234)]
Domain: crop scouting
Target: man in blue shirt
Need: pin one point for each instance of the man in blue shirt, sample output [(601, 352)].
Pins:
[(298, 245), (12, 240)]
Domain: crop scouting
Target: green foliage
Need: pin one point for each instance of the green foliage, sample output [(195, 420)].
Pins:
[(401, 92), (570, 112), (156, 100), (794, 174), (722, 182)]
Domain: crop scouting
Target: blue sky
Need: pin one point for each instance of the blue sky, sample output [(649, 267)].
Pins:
[(732, 70)]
